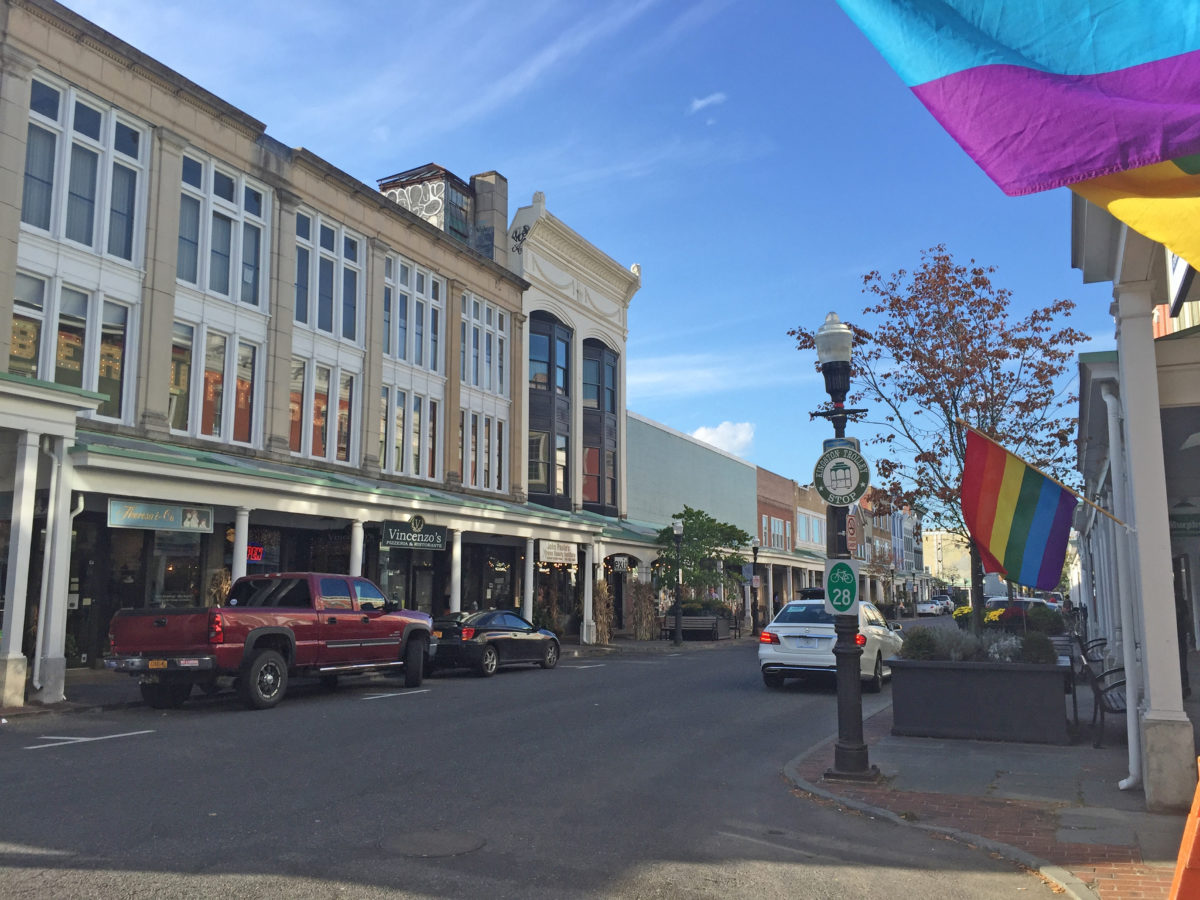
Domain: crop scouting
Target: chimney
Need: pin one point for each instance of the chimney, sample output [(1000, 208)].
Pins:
[(490, 231)]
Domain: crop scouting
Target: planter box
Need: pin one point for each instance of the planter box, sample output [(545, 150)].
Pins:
[(979, 701)]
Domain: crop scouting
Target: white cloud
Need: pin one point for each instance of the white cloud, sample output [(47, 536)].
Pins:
[(702, 102), (733, 437)]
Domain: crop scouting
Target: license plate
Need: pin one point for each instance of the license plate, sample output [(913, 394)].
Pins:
[(157, 664), (806, 643), (437, 634)]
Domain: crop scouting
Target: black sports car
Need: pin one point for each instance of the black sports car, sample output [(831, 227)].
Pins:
[(491, 638)]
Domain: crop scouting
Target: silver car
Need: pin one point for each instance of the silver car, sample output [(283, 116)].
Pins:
[(799, 641)]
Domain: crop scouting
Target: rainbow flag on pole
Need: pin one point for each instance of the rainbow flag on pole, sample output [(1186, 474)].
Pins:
[(1019, 518), (1049, 93)]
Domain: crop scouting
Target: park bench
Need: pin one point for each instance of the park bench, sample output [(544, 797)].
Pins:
[(717, 627), (1108, 693)]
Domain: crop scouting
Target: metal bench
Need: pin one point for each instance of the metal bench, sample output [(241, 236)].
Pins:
[(717, 627), (1108, 693)]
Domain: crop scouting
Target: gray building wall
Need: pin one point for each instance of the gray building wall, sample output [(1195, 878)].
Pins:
[(667, 469)]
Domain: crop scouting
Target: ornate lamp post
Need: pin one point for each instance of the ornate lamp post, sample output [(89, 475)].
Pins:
[(677, 527), (754, 545), (834, 339)]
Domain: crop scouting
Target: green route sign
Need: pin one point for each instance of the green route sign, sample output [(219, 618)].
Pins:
[(841, 476), (841, 587)]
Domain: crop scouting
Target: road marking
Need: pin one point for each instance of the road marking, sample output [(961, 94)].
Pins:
[(593, 666), (397, 694), (63, 741), (762, 843)]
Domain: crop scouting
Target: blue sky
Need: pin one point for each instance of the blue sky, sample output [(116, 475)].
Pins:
[(756, 158)]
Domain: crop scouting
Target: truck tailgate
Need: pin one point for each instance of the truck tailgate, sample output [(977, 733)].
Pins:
[(167, 631)]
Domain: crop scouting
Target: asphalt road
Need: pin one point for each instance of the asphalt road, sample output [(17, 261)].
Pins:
[(654, 776)]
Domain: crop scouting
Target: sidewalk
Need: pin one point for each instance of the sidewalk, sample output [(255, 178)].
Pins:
[(1054, 809)]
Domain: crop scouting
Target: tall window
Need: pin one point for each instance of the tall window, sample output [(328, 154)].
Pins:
[(73, 337), (329, 277), (550, 413), (84, 170), (413, 303), (484, 332), (600, 428), (222, 400), (222, 227), (180, 402)]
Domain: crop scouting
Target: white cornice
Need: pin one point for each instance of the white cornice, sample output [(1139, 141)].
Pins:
[(551, 237)]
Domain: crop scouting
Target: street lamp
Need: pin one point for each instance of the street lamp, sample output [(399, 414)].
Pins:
[(834, 339), (677, 527), (754, 545)]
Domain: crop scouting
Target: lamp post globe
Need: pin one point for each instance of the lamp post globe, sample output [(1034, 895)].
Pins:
[(677, 528)]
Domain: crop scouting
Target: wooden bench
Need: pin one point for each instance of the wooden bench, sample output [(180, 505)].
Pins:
[(1108, 693), (716, 626)]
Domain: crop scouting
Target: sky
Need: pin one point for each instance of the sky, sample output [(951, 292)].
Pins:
[(755, 157)]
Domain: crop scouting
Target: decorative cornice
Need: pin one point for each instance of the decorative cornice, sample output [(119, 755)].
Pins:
[(564, 245)]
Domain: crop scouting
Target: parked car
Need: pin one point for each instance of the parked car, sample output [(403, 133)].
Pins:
[(929, 607), (800, 639), (491, 638), (944, 601), (270, 628), (995, 603)]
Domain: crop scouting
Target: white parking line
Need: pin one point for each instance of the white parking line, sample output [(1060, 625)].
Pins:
[(397, 694), (64, 741), (593, 666)]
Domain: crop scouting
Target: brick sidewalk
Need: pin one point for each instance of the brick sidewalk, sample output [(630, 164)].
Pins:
[(1113, 872)]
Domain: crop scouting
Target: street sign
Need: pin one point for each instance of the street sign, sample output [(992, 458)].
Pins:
[(841, 476), (841, 587), (833, 443), (851, 533)]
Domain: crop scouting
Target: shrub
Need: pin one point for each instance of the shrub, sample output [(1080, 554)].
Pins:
[(957, 645), (920, 643), (992, 616), (1037, 648), (644, 610), (1043, 619), (962, 616), (1001, 647), (602, 611)]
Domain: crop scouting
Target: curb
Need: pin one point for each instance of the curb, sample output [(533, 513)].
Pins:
[(1071, 885)]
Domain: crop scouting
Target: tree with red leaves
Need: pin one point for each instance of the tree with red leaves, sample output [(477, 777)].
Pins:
[(946, 348)]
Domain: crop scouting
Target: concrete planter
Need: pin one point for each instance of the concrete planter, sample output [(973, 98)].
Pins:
[(979, 701)]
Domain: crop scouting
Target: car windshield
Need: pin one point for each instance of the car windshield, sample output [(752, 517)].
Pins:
[(804, 614)]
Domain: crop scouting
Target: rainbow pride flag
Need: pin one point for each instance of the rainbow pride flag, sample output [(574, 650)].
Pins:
[(1019, 519), (1047, 93)]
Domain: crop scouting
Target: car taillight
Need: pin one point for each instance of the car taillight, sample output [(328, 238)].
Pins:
[(112, 644), (468, 633), (216, 631), (768, 637), (860, 639)]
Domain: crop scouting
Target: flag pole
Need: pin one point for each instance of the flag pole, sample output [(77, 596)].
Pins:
[(1074, 493)]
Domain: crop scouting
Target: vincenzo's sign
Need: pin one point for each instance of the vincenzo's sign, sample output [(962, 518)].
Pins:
[(414, 534)]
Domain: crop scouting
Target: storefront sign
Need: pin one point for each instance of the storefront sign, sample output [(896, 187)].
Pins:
[(159, 516), (1184, 525), (558, 552), (413, 534)]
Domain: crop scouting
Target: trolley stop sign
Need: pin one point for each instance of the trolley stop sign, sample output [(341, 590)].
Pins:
[(841, 587)]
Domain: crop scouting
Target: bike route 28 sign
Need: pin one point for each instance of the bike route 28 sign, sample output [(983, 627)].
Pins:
[(841, 476), (841, 587)]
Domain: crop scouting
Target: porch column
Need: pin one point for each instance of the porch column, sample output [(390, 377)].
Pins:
[(241, 535), (455, 570), (790, 594), (587, 628), (20, 542), (50, 665), (527, 589), (356, 547), (1169, 753), (770, 593)]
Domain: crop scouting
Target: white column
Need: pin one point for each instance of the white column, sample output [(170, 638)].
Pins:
[(1167, 733), (50, 665), (241, 535), (455, 570), (587, 628), (527, 593), (575, 452), (356, 547), (20, 542), (770, 599), (790, 592)]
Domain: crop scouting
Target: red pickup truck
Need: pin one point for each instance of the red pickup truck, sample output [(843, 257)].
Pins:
[(270, 628)]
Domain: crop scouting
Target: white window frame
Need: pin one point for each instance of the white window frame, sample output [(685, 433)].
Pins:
[(357, 407), (483, 322), (196, 386), (105, 148), (342, 263), (47, 350), (212, 204)]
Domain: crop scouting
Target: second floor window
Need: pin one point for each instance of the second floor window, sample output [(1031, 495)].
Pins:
[(84, 170), (329, 277), (324, 405), (215, 384), (222, 231)]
